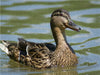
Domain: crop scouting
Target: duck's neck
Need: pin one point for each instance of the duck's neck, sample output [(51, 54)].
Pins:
[(59, 36), (60, 39)]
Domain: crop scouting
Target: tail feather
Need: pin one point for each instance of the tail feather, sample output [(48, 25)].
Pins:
[(6, 43), (4, 48)]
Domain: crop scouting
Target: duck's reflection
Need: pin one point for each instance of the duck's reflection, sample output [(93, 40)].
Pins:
[(49, 71), (58, 71)]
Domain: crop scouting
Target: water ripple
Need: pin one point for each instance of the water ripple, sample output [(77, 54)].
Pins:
[(7, 17), (48, 0), (40, 40), (43, 28), (89, 58), (9, 37), (31, 7), (83, 37), (77, 15), (95, 2)]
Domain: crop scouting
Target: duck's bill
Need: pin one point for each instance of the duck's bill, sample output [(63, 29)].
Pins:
[(73, 26)]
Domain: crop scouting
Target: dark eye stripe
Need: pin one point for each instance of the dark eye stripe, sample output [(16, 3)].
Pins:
[(60, 15)]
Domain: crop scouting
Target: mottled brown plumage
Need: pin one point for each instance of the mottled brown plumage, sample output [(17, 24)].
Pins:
[(44, 55)]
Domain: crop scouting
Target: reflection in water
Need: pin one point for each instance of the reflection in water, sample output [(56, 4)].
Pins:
[(83, 37), (31, 7), (65, 71), (95, 2), (8, 17), (43, 28), (48, 0), (58, 71), (20, 69), (88, 44), (8, 36), (10, 2), (32, 30), (2, 23), (77, 15), (40, 40), (90, 57), (17, 20)]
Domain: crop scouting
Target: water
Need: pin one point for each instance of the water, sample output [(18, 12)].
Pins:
[(29, 19)]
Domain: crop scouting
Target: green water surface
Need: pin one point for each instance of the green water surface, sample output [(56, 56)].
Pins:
[(30, 19)]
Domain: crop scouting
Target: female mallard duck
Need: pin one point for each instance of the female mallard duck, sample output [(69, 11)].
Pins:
[(43, 55)]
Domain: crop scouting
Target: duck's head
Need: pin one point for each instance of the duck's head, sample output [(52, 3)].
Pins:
[(61, 18)]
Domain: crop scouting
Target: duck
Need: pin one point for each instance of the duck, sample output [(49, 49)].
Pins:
[(46, 55)]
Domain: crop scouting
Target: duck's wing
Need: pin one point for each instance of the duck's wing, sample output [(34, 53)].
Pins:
[(23, 43), (37, 53), (40, 55), (29, 53)]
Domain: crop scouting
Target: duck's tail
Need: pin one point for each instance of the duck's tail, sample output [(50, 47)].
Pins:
[(4, 46)]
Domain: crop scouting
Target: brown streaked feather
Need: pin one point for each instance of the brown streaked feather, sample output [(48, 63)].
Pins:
[(38, 53), (23, 43), (14, 52)]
